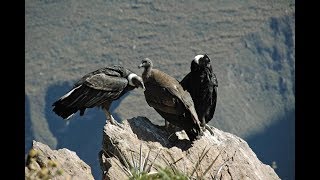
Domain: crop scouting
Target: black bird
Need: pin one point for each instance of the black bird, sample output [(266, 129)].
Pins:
[(97, 89), (202, 84), (167, 97)]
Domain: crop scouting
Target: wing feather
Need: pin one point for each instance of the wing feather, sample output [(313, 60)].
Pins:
[(93, 89), (175, 92), (105, 82)]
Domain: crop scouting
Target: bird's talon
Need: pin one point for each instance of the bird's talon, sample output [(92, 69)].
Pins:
[(206, 127), (114, 122)]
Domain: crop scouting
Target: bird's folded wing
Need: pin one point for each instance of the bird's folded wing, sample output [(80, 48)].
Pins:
[(187, 101), (113, 71), (184, 82), (105, 82), (158, 95), (214, 80)]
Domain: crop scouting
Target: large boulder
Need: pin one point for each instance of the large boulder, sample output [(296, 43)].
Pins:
[(140, 144)]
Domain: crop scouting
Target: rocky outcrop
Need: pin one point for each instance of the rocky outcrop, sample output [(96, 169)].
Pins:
[(62, 164), (140, 146)]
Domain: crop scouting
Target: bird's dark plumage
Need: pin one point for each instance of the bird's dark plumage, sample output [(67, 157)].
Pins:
[(167, 97), (202, 85), (97, 89)]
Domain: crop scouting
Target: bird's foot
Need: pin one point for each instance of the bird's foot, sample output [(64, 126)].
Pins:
[(114, 122), (172, 137), (171, 130), (207, 127)]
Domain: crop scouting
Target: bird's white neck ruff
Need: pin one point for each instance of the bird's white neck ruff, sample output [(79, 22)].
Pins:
[(197, 57), (132, 75)]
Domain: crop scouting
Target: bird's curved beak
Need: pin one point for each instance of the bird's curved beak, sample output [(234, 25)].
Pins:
[(141, 65), (142, 86), (140, 83)]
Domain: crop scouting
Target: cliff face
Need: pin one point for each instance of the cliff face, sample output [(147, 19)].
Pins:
[(45, 163), (141, 146), (139, 143)]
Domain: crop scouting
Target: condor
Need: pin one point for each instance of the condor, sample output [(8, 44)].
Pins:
[(202, 84), (97, 89), (167, 97)]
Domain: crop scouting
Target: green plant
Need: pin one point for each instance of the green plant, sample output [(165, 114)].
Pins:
[(141, 169), (134, 169), (47, 170)]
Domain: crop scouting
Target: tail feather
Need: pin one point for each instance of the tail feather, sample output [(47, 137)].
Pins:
[(70, 116), (66, 106), (188, 102), (80, 98), (63, 111), (183, 121)]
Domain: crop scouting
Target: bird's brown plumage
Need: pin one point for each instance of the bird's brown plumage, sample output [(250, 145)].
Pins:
[(165, 94)]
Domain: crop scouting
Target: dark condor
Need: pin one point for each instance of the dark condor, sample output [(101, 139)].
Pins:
[(202, 84), (97, 89)]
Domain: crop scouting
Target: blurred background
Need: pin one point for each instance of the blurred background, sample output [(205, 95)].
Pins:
[(251, 44)]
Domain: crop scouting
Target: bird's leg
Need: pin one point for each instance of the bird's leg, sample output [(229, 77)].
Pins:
[(166, 124), (171, 136), (169, 127), (203, 122), (206, 126), (111, 119)]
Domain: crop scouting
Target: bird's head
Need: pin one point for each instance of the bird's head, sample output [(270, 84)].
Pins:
[(201, 61), (146, 63), (136, 81)]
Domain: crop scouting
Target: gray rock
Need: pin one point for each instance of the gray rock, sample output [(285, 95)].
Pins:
[(55, 164), (230, 156)]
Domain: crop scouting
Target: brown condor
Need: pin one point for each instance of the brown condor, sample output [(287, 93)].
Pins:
[(167, 97)]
